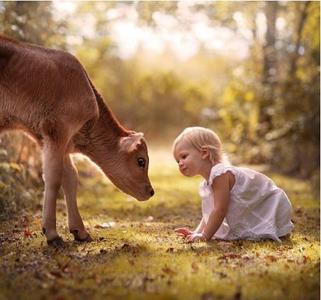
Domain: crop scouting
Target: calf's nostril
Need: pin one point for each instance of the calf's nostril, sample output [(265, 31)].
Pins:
[(149, 190)]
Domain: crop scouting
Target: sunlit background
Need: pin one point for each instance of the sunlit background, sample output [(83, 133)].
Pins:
[(248, 70)]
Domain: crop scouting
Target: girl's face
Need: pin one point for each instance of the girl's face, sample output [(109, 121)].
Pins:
[(188, 158)]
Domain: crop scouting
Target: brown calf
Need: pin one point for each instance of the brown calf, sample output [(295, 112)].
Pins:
[(47, 94)]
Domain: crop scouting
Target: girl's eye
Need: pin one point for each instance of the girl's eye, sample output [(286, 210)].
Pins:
[(141, 162)]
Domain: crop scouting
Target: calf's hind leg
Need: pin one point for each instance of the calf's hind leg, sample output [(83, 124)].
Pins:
[(69, 185)]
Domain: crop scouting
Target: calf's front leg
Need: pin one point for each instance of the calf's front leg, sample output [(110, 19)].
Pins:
[(52, 171), (69, 185)]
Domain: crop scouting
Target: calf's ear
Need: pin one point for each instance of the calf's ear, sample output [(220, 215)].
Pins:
[(131, 142)]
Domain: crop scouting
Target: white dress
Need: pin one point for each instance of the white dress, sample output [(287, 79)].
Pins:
[(258, 209)]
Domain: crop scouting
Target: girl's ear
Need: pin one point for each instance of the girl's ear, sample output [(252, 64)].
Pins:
[(205, 153)]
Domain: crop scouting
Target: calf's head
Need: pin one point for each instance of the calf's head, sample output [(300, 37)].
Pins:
[(131, 167)]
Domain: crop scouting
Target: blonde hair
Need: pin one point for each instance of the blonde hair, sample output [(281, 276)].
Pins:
[(203, 138)]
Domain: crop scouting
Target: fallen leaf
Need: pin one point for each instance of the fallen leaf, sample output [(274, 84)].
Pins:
[(208, 296), (229, 255), (136, 282), (130, 248), (98, 279), (105, 225), (225, 245), (271, 258), (303, 260), (221, 274), (54, 274), (195, 266), (299, 211), (27, 233), (71, 269), (246, 257), (169, 271)]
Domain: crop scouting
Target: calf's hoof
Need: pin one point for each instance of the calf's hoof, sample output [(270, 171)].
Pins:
[(57, 242), (81, 236), (87, 239)]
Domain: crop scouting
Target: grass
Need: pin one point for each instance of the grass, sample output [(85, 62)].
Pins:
[(139, 256)]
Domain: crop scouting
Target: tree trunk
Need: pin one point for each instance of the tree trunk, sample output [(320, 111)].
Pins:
[(269, 68)]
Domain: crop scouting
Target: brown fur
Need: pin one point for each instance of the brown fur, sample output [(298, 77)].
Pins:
[(48, 94)]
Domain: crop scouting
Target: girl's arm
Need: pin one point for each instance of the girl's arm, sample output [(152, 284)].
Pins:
[(200, 226), (221, 191)]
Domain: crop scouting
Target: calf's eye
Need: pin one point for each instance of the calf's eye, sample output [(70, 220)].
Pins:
[(141, 162)]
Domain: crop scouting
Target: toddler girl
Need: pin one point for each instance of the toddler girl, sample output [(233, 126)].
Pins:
[(237, 203)]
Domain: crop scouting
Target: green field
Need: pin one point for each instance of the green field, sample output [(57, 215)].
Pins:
[(136, 255)]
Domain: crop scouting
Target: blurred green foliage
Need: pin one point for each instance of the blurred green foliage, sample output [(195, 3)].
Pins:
[(264, 106), (17, 190)]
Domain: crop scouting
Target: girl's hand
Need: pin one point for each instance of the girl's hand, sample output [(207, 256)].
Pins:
[(196, 237), (184, 232)]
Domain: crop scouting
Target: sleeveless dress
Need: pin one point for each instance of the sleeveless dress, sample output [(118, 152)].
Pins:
[(257, 209)]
